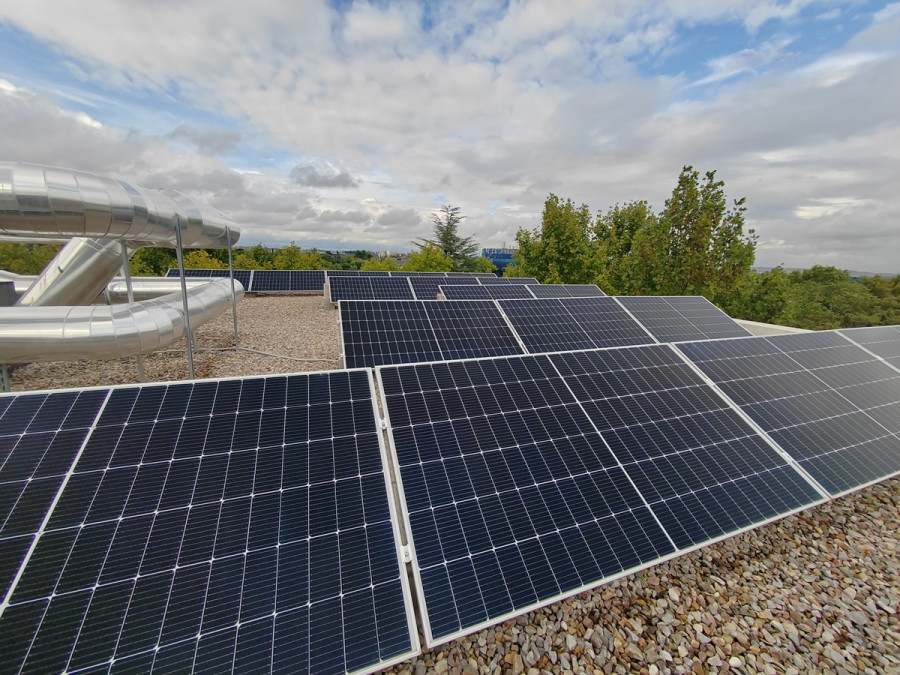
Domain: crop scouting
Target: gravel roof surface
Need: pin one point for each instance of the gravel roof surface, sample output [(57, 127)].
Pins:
[(815, 592)]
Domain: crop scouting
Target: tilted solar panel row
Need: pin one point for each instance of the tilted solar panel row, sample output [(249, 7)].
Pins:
[(526, 479), (396, 331), (229, 525), (266, 281), (544, 325), (518, 291)]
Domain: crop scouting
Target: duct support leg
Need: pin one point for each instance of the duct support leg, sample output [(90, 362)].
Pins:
[(4, 378), (126, 272)]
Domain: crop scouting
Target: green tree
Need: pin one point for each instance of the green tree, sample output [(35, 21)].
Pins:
[(479, 264), (822, 298), (292, 257), (560, 251), (26, 258), (152, 261), (201, 259), (762, 298), (698, 245), (429, 258), (447, 239), (379, 265), (615, 267)]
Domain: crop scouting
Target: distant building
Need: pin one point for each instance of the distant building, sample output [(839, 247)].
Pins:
[(501, 257)]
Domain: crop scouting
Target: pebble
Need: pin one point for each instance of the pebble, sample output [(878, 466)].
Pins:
[(813, 592)]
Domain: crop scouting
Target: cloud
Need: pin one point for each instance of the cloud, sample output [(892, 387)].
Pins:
[(313, 176), (345, 123), (209, 141)]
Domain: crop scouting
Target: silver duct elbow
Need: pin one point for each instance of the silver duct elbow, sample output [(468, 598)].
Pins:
[(107, 332), (52, 203)]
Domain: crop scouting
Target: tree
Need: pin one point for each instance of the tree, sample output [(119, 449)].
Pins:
[(429, 258), (292, 257), (613, 261), (698, 245), (200, 259), (762, 298), (26, 258), (447, 239), (480, 264), (152, 261), (379, 265), (558, 252), (822, 297)]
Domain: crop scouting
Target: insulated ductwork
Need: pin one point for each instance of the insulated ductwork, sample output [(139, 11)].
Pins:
[(108, 331), (47, 202), (104, 221), (98, 214)]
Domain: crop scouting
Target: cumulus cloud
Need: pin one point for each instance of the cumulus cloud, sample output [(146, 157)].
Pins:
[(210, 141), (314, 176), (364, 118)]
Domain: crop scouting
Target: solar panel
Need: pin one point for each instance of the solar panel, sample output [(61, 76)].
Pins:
[(377, 333), (419, 275), (508, 280), (560, 324), (40, 435), (357, 273), (287, 280), (369, 288), (244, 276), (427, 288), (565, 291), (480, 275), (229, 525), (489, 292), (675, 318), (883, 341), (831, 405), (527, 479)]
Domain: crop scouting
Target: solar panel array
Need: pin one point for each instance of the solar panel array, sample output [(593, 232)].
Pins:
[(509, 280), (375, 333), (369, 288), (267, 281), (427, 288), (526, 479), (829, 403), (230, 525), (676, 318), (883, 341), (565, 290), (487, 292), (559, 324)]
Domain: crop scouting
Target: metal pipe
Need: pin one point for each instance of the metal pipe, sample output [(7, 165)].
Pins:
[(188, 335), (107, 332), (126, 272), (231, 276)]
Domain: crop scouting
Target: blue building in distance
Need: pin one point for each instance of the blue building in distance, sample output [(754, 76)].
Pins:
[(501, 257)]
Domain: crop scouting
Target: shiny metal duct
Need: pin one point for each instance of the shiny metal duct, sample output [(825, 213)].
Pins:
[(108, 331), (48, 202), (146, 288)]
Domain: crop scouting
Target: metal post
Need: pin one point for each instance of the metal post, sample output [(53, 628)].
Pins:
[(233, 298), (187, 319), (126, 272), (5, 384)]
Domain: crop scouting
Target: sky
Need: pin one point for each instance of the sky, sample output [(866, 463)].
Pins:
[(347, 124)]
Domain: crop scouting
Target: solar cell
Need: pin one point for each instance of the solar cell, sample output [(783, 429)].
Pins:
[(377, 333), (369, 288), (675, 318), (427, 288), (507, 280), (287, 280), (471, 274), (834, 407), (489, 292), (220, 525), (244, 276), (40, 436), (883, 341), (560, 324), (565, 291), (357, 273), (419, 275), (521, 477)]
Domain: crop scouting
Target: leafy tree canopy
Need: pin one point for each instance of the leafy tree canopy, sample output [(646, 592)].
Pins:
[(371, 264), (201, 259), (429, 258), (459, 249)]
